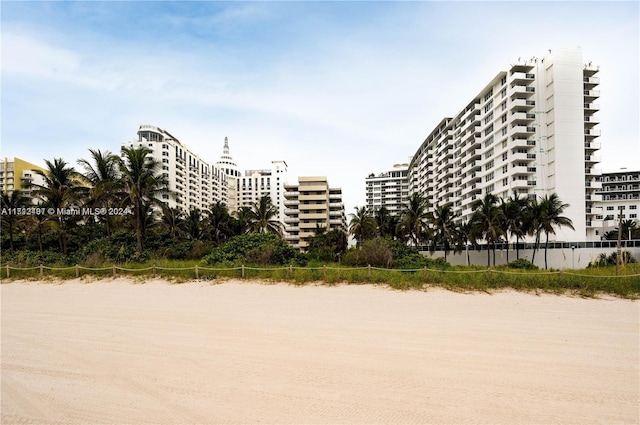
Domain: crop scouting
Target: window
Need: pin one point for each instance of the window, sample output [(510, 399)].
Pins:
[(633, 215), (609, 208), (505, 168), (505, 156), (633, 207)]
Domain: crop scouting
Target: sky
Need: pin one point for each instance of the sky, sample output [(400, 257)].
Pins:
[(340, 89)]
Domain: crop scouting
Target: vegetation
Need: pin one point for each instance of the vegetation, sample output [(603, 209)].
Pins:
[(144, 233)]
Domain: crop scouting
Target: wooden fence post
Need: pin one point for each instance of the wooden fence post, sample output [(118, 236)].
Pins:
[(324, 271), (114, 270), (77, 271), (243, 271), (41, 271), (197, 274), (154, 271), (369, 270), (8, 272), (290, 270)]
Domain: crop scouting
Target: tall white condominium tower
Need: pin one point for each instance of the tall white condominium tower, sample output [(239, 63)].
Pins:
[(228, 166), (310, 204), (257, 183), (193, 183), (529, 131), (389, 189)]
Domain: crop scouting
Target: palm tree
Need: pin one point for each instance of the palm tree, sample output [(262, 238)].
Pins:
[(102, 177), (415, 218), (513, 211), (171, 220), (384, 222), (463, 237), (218, 221), (11, 202), (486, 223), (142, 184), (61, 189), (38, 223), (362, 225), (243, 220), (192, 224), (533, 214), (263, 213), (444, 226), (552, 208)]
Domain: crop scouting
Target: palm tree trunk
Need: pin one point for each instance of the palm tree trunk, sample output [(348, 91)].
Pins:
[(546, 243), (517, 247), (488, 255), (139, 224)]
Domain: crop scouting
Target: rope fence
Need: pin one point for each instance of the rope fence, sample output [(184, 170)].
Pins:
[(197, 270)]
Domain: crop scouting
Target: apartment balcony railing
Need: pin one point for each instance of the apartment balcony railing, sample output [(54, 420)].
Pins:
[(591, 93), (592, 132)]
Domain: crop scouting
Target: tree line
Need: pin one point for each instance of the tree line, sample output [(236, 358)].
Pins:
[(494, 220), (134, 182)]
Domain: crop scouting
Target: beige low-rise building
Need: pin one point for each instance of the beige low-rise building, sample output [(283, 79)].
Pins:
[(311, 204)]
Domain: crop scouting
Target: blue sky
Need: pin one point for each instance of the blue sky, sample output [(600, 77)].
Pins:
[(340, 89)]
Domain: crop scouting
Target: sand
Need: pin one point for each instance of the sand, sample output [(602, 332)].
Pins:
[(119, 352)]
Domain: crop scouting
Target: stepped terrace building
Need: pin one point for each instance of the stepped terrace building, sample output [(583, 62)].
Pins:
[(193, 182), (310, 204), (19, 175), (532, 131)]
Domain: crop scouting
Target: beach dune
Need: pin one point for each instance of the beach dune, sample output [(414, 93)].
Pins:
[(115, 351)]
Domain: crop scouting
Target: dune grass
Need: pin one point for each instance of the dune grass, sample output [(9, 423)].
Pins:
[(585, 282)]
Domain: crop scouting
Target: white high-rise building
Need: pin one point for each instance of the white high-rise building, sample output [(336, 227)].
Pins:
[(228, 166), (530, 130), (619, 199), (389, 189), (257, 183), (193, 182)]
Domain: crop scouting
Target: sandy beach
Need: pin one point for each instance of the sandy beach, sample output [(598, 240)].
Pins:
[(119, 352)]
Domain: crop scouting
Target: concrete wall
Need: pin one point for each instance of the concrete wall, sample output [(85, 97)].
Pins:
[(559, 258)]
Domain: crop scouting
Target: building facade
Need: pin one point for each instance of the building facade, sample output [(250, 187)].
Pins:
[(266, 182), (19, 174), (620, 194), (389, 189), (193, 182), (530, 131), (309, 204)]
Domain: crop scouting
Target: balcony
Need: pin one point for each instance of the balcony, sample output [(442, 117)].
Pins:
[(591, 94), (592, 158), (592, 132), (591, 107), (336, 221), (592, 146), (290, 211), (291, 202), (591, 121), (522, 130), (590, 82), (522, 78)]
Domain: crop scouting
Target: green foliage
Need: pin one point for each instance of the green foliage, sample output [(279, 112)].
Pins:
[(187, 250), (256, 248), (33, 258), (119, 249), (328, 246), (388, 253), (521, 263), (603, 260)]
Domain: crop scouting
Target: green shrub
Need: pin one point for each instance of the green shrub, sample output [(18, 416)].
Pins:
[(374, 252), (521, 263), (33, 258), (256, 248), (603, 260)]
